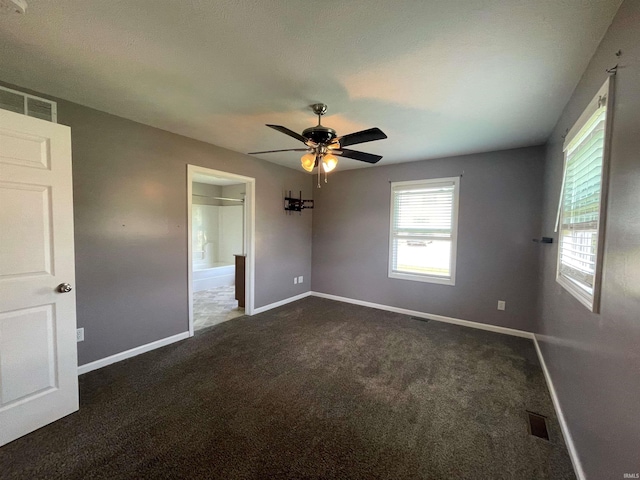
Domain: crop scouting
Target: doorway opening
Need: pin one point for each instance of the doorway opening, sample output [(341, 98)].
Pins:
[(221, 261)]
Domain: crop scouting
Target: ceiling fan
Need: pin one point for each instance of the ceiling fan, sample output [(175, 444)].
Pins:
[(323, 145)]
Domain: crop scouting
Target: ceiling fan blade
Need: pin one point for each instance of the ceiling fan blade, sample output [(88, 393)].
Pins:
[(361, 137), (274, 151), (356, 155), (286, 131)]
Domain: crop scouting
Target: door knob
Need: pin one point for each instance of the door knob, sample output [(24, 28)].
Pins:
[(64, 288)]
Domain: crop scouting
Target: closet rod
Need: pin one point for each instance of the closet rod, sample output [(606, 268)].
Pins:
[(220, 198)]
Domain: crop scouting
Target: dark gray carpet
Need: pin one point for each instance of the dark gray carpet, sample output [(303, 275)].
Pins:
[(315, 389)]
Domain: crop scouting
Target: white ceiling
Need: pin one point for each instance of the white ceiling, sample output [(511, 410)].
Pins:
[(439, 77)]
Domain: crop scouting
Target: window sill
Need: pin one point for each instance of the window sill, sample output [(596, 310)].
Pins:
[(578, 293), (423, 278)]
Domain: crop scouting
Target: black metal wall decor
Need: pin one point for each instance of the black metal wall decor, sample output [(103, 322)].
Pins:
[(296, 204)]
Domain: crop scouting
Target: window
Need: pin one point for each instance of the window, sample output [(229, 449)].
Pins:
[(424, 224), (581, 210)]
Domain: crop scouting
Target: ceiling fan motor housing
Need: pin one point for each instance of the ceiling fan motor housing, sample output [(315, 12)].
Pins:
[(320, 134)]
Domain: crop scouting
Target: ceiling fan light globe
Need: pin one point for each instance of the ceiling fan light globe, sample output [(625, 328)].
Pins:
[(308, 161), (329, 162)]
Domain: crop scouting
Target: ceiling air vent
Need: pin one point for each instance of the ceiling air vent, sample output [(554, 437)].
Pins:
[(26, 104)]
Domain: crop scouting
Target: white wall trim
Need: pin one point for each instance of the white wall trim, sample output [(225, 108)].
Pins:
[(568, 439), (103, 362), (281, 302), (430, 316)]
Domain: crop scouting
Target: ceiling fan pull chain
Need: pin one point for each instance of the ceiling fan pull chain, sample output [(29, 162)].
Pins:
[(319, 177)]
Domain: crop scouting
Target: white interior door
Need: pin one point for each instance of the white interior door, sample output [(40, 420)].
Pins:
[(38, 359)]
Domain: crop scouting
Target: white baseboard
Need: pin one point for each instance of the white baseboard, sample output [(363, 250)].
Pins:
[(103, 362), (568, 439), (430, 316), (281, 302)]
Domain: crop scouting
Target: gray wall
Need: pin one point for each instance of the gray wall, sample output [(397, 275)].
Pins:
[(130, 210), (234, 191), (500, 201), (206, 189), (594, 360)]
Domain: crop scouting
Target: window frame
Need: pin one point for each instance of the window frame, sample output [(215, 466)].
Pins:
[(591, 301), (417, 277)]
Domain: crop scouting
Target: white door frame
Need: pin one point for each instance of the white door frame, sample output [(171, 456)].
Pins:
[(249, 233)]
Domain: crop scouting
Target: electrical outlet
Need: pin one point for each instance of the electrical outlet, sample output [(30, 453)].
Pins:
[(80, 335), (502, 304), (295, 280), (300, 278)]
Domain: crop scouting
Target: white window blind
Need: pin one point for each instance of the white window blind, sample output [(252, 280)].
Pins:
[(581, 204), (423, 230)]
